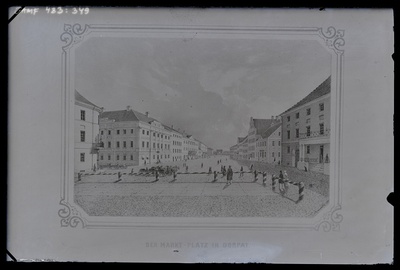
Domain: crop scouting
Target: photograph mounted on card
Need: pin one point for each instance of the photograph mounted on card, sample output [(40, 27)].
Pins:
[(201, 127)]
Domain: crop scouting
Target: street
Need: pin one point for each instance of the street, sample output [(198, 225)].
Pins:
[(194, 195)]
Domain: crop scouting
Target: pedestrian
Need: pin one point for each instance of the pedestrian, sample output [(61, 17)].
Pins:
[(255, 176), (187, 168), (119, 176), (251, 167), (94, 167), (209, 171), (215, 176), (79, 176), (241, 172), (132, 171), (157, 175), (201, 165), (174, 173), (281, 183), (286, 181), (229, 175)]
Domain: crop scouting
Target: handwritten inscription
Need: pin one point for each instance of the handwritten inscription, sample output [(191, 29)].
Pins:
[(55, 10)]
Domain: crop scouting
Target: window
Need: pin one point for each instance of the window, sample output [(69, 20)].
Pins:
[(83, 115), (109, 132), (308, 130), (288, 149), (279, 133), (288, 134), (101, 132), (82, 135), (273, 143), (117, 144), (161, 146), (297, 132), (109, 157), (321, 128), (131, 130), (82, 157), (288, 118), (117, 157), (117, 131), (161, 136), (308, 111), (279, 154), (158, 135), (109, 144), (308, 121), (279, 143), (147, 144), (154, 134), (131, 144), (124, 143), (124, 157), (131, 157), (147, 132), (142, 144), (124, 131), (154, 157), (143, 131), (158, 145), (154, 145), (101, 157), (308, 149), (297, 115), (321, 107), (273, 154)]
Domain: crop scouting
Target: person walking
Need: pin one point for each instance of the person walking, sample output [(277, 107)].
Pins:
[(241, 172), (201, 165), (281, 183), (229, 175), (251, 167), (209, 170), (215, 176)]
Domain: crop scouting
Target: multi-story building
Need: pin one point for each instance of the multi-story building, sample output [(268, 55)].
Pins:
[(306, 131), (133, 138), (257, 128), (86, 141), (176, 144), (190, 146), (268, 146)]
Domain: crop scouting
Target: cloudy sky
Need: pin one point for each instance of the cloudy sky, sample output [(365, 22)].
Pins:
[(208, 87)]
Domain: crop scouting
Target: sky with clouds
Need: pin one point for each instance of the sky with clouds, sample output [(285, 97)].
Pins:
[(208, 87)]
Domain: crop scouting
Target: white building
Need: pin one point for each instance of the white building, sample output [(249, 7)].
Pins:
[(86, 143)]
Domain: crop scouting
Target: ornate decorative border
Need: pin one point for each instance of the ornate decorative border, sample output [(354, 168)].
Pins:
[(74, 34)]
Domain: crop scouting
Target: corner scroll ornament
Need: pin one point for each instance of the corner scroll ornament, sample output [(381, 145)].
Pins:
[(73, 34), (331, 220), (333, 38), (70, 216)]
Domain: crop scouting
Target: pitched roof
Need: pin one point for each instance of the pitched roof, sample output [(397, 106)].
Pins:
[(270, 130), (80, 98), (323, 89), (126, 115), (261, 125), (241, 139)]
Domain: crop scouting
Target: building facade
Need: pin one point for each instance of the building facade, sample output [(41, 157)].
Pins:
[(86, 139), (131, 138), (306, 131), (268, 146), (176, 144)]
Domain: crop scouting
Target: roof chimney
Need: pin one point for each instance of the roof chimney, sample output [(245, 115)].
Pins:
[(128, 108), (147, 114)]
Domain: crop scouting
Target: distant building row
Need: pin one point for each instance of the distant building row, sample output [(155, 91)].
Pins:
[(127, 137), (299, 137)]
